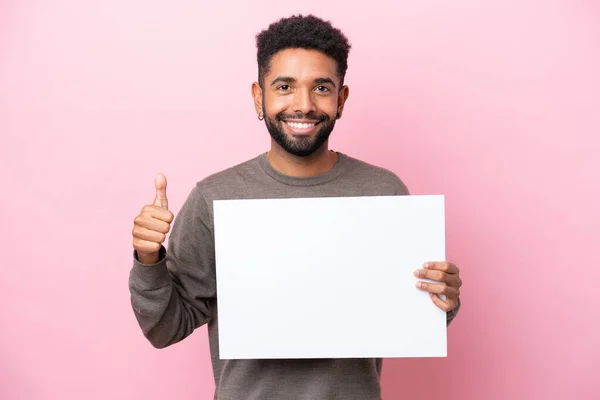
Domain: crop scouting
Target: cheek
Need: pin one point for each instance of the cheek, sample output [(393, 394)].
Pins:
[(276, 104), (326, 104)]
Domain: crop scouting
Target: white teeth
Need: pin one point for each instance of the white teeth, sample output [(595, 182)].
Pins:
[(299, 125)]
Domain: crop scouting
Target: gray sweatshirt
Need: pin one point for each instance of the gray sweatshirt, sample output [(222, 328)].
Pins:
[(175, 296)]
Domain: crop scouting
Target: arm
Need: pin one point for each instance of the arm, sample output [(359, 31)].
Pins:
[(171, 298)]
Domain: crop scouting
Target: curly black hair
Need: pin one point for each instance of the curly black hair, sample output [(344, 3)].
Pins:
[(305, 32)]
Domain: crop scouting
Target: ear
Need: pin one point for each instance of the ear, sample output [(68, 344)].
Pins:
[(342, 97), (257, 96)]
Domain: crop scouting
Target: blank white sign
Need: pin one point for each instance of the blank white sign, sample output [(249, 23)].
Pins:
[(328, 277)]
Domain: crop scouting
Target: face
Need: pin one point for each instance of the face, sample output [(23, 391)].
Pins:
[(300, 100)]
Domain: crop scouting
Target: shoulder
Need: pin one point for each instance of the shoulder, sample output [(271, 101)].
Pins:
[(229, 176), (378, 174), (220, 184)]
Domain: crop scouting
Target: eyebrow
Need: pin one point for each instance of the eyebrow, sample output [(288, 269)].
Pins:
[(288, 79)]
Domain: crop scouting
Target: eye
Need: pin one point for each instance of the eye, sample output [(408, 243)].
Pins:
[(284, 87), (322, 88)]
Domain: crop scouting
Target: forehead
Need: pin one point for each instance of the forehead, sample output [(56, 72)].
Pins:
[(302, 64)]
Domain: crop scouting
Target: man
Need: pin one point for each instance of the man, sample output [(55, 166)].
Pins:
[(300, 94)]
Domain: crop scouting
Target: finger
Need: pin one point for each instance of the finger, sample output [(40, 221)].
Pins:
[(446, 306), (438, 288), (439, 276), (161, 191), (444, 266), (156, 219), (162, 214), (148, 235)]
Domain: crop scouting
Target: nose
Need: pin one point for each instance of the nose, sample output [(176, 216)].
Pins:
[(304, 102)]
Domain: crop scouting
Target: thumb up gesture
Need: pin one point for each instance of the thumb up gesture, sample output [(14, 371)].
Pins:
[(153, 223)]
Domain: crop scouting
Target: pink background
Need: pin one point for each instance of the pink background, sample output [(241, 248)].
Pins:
[(493, 103)]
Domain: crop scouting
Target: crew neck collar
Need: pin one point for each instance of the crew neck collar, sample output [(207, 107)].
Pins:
[(303, 181)]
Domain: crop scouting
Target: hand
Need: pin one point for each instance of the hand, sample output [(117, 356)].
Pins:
[(445, 272), (151, 226)]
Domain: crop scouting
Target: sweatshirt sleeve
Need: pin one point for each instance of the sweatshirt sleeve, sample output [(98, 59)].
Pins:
[(171, 298), (450, 315)]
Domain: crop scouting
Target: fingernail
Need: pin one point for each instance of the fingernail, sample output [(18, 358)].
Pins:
[(426, 265), (420, 285), (418, 272)]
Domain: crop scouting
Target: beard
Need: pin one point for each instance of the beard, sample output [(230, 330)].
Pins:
[(301, 145)]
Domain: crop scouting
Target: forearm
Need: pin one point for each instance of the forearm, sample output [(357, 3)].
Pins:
[(164, 316)]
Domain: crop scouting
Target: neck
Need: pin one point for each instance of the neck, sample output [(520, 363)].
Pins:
[(317, 163)]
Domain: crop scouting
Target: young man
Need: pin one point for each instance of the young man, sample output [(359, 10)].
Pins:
[(300, 94)]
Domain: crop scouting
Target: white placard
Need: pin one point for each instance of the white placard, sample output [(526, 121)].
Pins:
[(328, 277)]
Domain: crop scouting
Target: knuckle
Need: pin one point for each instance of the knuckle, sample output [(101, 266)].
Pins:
[(165, 228)]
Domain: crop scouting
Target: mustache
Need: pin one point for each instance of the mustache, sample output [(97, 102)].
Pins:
[(310, 116)]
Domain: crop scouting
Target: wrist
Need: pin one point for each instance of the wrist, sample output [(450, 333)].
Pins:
[(150, 258)]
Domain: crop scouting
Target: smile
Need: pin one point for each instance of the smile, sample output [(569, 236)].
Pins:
[(301, 127)]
